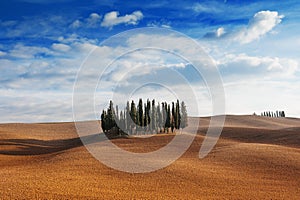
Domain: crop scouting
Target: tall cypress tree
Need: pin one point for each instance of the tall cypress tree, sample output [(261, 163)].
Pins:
[(184, 122), (103, 117), (127, 116), (145, 118), (177, 115), (122, 121), (168, 117), (141, 114), (153, 117), (117, 113), (133, 115), (148, 110), (159, 117), (163, 114), (111, 116), (172, 121)]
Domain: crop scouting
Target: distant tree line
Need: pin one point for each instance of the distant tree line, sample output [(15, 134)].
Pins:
[(145, 117), (273, 114)]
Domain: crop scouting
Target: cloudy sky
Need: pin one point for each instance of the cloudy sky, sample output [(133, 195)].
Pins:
[(254, 45)]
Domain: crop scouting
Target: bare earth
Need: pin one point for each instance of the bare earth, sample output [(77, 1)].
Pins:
[(256, 158)]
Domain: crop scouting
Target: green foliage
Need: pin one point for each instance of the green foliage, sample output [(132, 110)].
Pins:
[(154, 118)]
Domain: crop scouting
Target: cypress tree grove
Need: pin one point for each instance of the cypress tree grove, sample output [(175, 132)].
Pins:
[(160, 118)]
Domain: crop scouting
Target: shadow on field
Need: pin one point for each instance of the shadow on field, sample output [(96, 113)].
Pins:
[(38, 147), (289, 137)]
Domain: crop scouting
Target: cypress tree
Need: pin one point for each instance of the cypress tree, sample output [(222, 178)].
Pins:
[(110, 116), (140, 111), (133, 116), (148, 108), (173, 117), (184, 122), (145, 118), (159, 118), (103, 121), (163, 114), (127, 116), (121, 121), (177, 115), (117, 113), (137, 119), (173, 109), (172, 124), (153, 117), (168, 117)]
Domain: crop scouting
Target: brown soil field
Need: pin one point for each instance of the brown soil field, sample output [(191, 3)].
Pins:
[(255, 158)]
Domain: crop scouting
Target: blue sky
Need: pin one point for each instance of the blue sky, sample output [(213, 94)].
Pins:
[(254, 44)]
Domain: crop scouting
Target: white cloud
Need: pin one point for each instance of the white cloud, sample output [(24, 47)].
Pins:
[(261, 23), (31, 106), (2, 53), (93, 20), (60, 47), (76, 24), (268, 67), (112, 19), (201, 8), (27, 52), (220, 31), (162, 23), (42, 75)]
